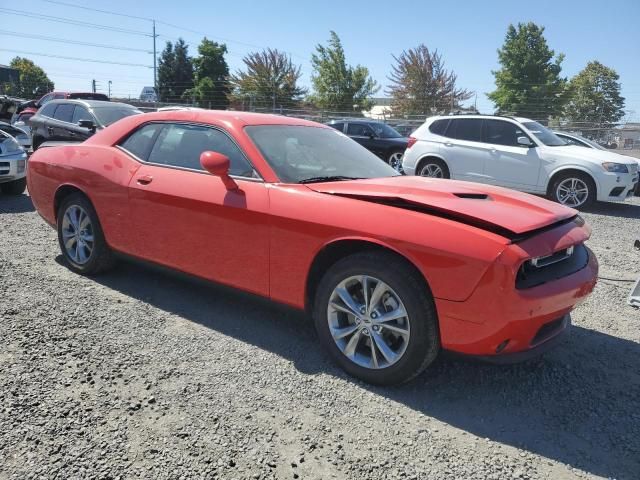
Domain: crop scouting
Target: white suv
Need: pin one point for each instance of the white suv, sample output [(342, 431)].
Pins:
[(521, 154)]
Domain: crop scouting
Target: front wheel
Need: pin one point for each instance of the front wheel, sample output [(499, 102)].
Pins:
[(573, 189), (80, 236), (15, 187), (377, 318)]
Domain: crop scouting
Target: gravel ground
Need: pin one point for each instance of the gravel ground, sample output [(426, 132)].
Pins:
[(143, 374)]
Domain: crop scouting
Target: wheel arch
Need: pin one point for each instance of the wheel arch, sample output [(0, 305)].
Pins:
[(571, 169), (63, 192), (338, 249)]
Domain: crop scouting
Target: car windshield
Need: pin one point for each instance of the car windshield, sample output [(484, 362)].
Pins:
[(108, 115), (591, 142), (306, 154), (383, 130), (13, 131), (545, 135)]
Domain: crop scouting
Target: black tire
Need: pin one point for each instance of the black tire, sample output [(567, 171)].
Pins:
[(423, 166), (583, 177), (424, 341), (101, 257), (15, 187)]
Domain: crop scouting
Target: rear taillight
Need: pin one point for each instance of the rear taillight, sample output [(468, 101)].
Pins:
[(412, 140)]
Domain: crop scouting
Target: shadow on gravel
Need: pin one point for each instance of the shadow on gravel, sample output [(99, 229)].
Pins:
[(580, 405), (16, 204), (621, 210)]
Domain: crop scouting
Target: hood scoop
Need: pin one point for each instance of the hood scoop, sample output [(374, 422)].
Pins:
[(473, 196)]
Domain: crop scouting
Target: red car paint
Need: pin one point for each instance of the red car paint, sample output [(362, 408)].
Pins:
[(264, 236)]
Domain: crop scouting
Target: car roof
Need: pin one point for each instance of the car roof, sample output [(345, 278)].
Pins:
[(354, 120), (88, 103), (238, 119), (480, 116)]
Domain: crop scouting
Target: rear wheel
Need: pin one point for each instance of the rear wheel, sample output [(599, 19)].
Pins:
[(377, 318), (573, 189), (80, 236), (434, 168), (395, 160), (15, 187)]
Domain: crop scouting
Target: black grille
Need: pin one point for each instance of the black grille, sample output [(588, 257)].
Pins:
[(531, 276), (547, 331)]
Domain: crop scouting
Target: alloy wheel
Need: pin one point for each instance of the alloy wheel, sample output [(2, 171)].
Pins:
[(395, 160), (572, 192), (77, 234), (368, 322), (432, 170)]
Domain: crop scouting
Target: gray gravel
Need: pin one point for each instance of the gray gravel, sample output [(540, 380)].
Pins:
[(143, 374)]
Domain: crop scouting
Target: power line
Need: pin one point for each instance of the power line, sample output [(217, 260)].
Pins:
[(72, 22), (73, 42), (75, 58), (66, 4)]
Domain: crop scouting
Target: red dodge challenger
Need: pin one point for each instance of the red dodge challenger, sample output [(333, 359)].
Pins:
[(393, 269)]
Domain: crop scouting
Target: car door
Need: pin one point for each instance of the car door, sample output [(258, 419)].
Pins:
[(59, 127), (185, 218), (509, 164), (464, 151), (364, 135)]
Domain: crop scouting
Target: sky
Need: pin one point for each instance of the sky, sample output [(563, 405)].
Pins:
[(467, 33)]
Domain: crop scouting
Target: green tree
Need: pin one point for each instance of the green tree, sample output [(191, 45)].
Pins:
[(594, 96), (212, 87), (175, 71), (33, 82), (528, 82), (421, 85), (338, 86), (271, 79)]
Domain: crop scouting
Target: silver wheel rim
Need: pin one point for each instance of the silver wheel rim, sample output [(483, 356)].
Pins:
[(368, 322), (572, 192), (395, 160), (77, 234), (432, 170)]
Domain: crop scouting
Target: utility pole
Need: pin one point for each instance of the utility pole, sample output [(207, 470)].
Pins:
[(93, 85), (110, 89), (155, 60)]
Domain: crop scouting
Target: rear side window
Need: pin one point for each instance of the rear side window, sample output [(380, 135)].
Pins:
[(439, 126), (139, 143), (469, 129), (499, 132), (47, 110), (64, 112), (181, 145)]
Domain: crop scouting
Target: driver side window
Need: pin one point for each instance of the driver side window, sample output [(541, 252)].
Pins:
[(359, 130)]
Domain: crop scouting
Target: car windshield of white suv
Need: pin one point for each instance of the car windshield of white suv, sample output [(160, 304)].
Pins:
[(384, 131), (545, 135), (301, 154)]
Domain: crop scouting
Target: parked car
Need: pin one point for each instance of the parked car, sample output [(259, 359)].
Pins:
[(13, 164), (579, 141), (294, 211), (75, 120), (376, 137), (22, 120), (37, 104), (23, 139), (405, 129), (521, 154)]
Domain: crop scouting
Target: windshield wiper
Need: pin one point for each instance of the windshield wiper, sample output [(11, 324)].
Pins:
[(334, 178)]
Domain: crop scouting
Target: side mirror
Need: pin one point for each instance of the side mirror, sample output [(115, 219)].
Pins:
[(524, 141), (217, 164), (87, 124)]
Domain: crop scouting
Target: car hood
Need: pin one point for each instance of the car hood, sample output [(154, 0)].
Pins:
[(591, 154), (502, 211)]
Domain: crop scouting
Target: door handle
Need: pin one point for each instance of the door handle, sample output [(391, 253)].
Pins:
[(145, 179), (50, 130)]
